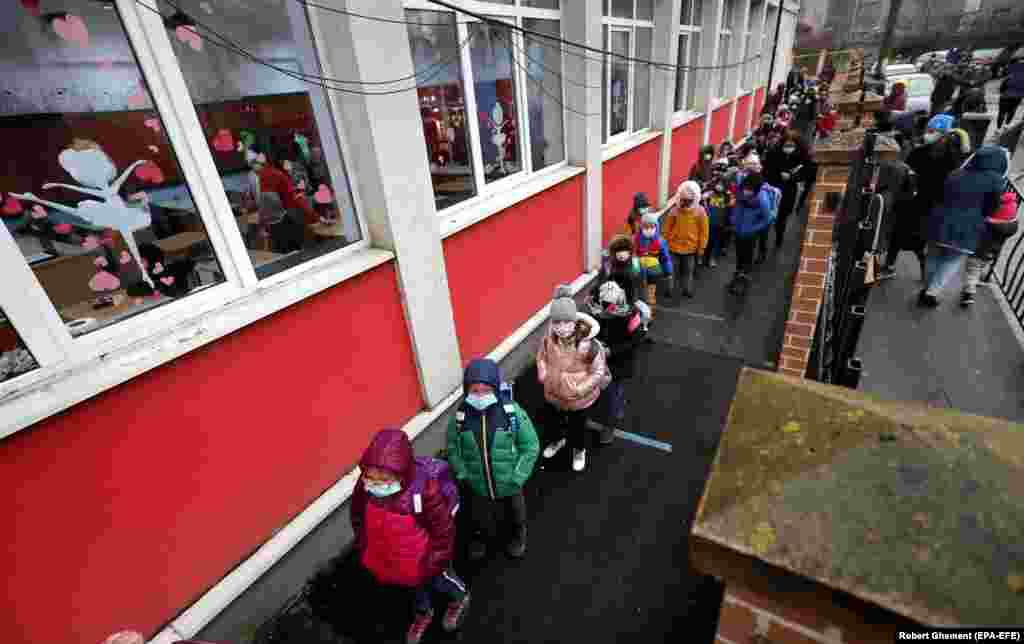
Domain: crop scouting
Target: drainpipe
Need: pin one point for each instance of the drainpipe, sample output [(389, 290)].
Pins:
[(775, 49)]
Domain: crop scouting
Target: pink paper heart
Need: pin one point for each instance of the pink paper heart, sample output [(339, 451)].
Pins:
[(223, 141), (154, 149), (189, 36), (108, 242), (104, 281), (167, 281), (72, 29), (125, 257), (138, 99), (301, 186), (145, 263), (62, 229), (31, 6), (11, 205), (150, 172), (159, 268), (153, 124), (100, 262), (91, 242), (323, 194), (38, 212)]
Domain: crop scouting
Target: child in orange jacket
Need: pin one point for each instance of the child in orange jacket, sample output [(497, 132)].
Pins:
[(686, 229)]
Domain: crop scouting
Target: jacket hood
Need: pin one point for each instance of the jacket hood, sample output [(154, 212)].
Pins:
[(391, 450), (990, 158), (483, 371), (640, 200), (620, 243), (707, 149)]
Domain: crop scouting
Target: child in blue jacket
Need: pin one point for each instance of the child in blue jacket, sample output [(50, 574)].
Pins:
[(652, 252), (750, 217)]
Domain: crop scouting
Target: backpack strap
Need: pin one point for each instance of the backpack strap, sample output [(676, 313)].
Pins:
[(460, 418)]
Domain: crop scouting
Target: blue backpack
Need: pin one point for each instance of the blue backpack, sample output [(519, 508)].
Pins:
[(774, 199), (432, 469), (507, 404)]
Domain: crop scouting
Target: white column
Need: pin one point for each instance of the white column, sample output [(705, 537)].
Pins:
[(739, 53), (391, 170), (760, 24), (581, 23), (666, 39), (711, 25)]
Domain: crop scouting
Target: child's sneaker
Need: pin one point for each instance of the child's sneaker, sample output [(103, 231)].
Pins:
[(455, 614), (517, 547), (477, 550), (966, 299), (419, 627), (579, 460), (554, 448)]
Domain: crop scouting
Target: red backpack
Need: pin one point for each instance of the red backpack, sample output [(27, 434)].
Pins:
[(1007, 210)]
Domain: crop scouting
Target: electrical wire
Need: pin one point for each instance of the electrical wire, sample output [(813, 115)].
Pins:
[(314, 5), (557, 99)]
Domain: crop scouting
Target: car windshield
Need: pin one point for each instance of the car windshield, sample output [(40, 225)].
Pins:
[(917, 86)]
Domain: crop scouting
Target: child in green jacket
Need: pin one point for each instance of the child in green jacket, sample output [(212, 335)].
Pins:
[(492, 448)]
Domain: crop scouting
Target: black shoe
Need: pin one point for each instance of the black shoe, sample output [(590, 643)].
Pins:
[(517, 547), (477, 550), (926, 300), (966, 299), (761, 259), (886, 273)]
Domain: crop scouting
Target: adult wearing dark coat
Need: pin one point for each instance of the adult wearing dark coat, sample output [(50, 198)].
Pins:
[(932, 163), (956, 225), (701, 171), (945, 87), (785, 168)]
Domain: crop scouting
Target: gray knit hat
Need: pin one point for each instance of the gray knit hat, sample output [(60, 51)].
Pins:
[(563, 307), (649, 219)]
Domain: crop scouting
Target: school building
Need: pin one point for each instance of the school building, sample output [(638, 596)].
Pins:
[(185, 385)]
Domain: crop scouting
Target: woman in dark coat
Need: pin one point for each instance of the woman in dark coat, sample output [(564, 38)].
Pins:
[(956, 226), (931, 163), (774, 100), (701, 171), (785, 168)]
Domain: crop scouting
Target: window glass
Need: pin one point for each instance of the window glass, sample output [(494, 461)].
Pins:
[(619, 76), (271, 134), (685, 12), (622, 9), (15, 358), (727, 14), (544, 93), (543, 4), (691, 91), (723, 57), (642, 79), (645, 9), (604, 85), (494, 83), (435, 53), (682, 73), (698, 12), (748, 55), (500, 1), (90, 179)]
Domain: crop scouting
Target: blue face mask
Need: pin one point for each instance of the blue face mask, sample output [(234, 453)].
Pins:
[(481, 402), (379, 490)]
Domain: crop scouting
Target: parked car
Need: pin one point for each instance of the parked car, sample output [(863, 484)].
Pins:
[(931, 57), (986, 56), (919, 90), (1001, 64)]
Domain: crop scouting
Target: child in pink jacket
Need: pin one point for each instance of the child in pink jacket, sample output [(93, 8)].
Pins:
[(572, 367)]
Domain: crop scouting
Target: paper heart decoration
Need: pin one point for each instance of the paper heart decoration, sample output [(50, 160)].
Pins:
[(104, 281), (159, 268), (108, 242), (11, 206), (138, 99), (145, 263), (154, 149), (150, 172), (101, 262), (323, 194), (62, 229), (153, 124), (31, 6), (223, 141), (125, 257), (91, 242), (167, 281), (72, 29), (38, 212), (189, 36)]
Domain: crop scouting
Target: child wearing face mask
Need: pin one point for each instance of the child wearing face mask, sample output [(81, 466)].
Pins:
[(405, 529), (492, 448), (652, 251), (619, 264), (751, 217), (718, 202), (701, 171), (572, 366), (686, 229)]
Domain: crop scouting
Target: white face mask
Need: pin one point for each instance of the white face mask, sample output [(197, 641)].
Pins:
[(649, 232), (564, 329), (788, 149), (932, 137), (622, 256), (707, 157)]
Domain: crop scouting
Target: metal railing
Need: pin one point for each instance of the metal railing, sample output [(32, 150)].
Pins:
[(1007, 271)]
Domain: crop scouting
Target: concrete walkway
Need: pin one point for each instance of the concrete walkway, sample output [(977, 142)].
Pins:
[(968, 359)]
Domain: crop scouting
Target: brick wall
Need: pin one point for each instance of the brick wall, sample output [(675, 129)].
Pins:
[(748, 618), (809, 288)]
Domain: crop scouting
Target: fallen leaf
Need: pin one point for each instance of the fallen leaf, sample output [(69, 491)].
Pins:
[(872, 536), (921, 553), (1015, 582), (791, 427), (921, 519), (762, 538)]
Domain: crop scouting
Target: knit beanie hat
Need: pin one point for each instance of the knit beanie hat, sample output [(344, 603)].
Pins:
[(688, 189), (752, 162), (640, 201), (649, 219), (941, 122), (563, 307), (964, 140), (620, 243)]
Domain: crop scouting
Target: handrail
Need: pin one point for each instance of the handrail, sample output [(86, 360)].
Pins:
[(1010, 280)]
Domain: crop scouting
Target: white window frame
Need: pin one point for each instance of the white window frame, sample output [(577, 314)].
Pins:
[(37, 394), (746, 70), (513, 15), (690, 30), (630, 26)]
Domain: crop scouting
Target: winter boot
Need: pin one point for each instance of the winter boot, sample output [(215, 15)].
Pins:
[(455, 614), (652, 297), (607, 435), (477, 550), (419, 627), (517, 547)]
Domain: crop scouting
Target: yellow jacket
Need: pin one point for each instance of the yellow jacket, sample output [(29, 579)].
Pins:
[(686, 230)]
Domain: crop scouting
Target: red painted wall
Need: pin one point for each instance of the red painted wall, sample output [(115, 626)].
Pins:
[(759, 98), (125, 508), (504, 269), (622, 177), (686, 142), (719, 125), (742, 122)]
